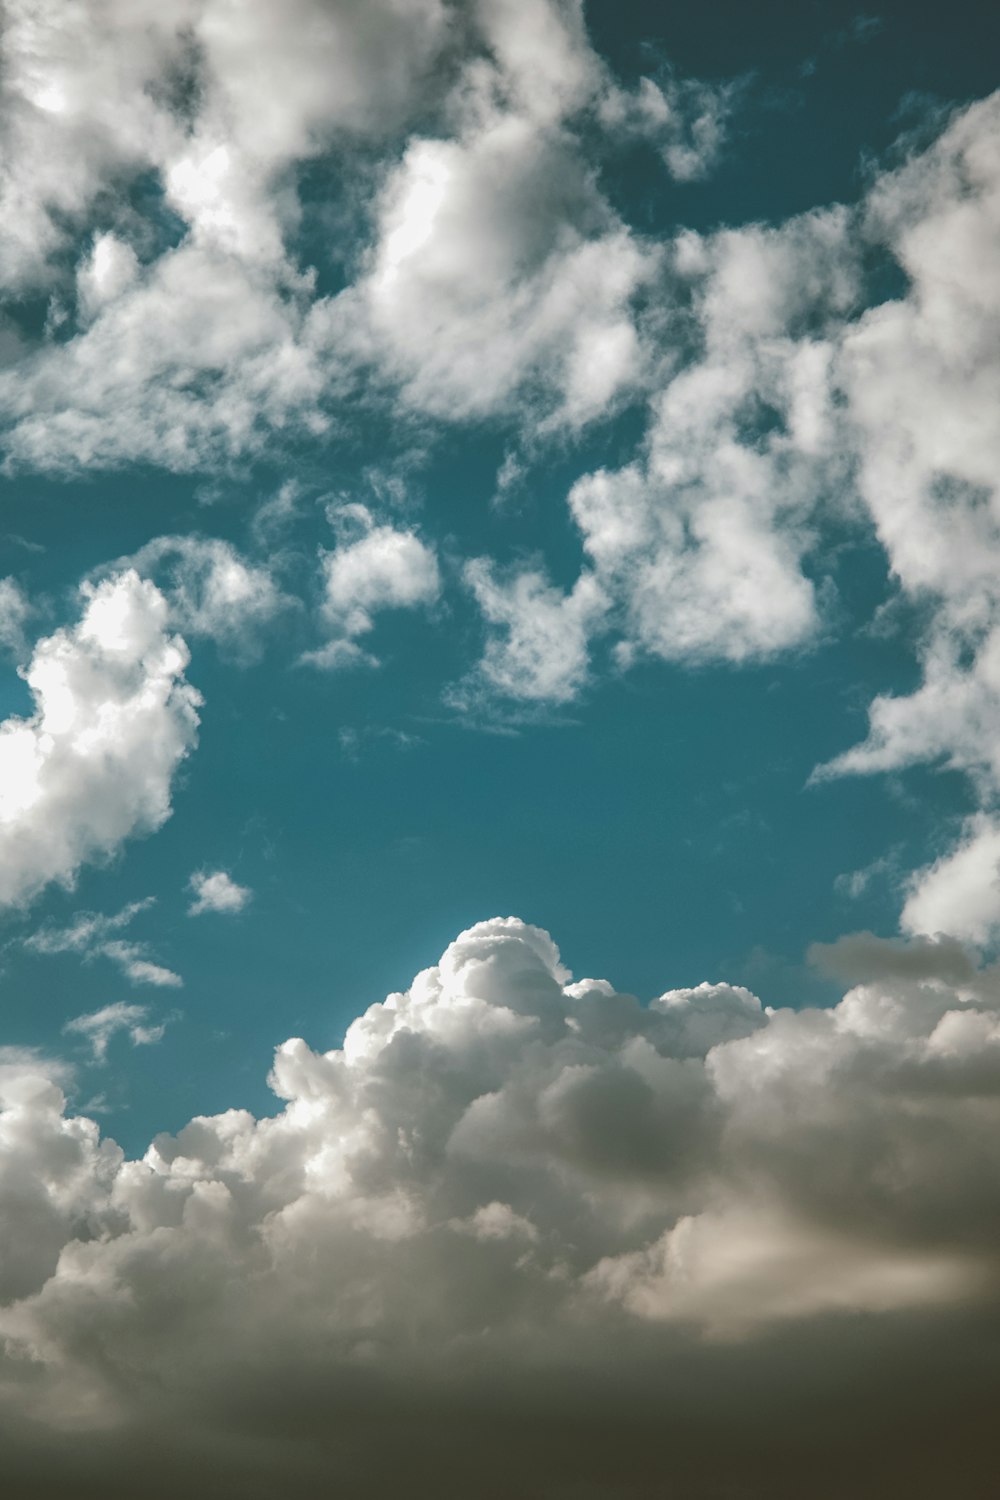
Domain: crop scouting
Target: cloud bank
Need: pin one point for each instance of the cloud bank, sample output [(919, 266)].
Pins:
[(602, 1231)]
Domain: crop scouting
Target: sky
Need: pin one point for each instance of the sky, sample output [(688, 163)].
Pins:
[(499, 798)]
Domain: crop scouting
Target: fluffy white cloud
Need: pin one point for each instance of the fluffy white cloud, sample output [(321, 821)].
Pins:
[(500, 1176), (217, 99), (212, 590), (959, 894), (194, 362), (703, 541), (93, 764), (498, 267), (190, 330), (540, 647), (214, 890), (374, 567)]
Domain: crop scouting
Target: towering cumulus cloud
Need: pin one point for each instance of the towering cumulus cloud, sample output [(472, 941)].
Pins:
[(604, 1232)]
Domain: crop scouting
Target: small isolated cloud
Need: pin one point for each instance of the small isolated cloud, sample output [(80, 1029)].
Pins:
[(684, 119), (98, 1028), (373, 568), (214, 890), (538, 645)]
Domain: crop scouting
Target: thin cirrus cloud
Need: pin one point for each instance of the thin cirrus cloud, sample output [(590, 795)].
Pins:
[(501, 1172)]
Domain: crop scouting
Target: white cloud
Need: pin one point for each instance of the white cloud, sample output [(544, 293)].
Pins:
[(216, 98), (92, 935), (703, 540), (212, 590), (93, 765), (373, 568), (15, 611), (539, 648), (959, 894), (214, 890), (100, 1026), (501, 1168), (684, 118), (498, 268)]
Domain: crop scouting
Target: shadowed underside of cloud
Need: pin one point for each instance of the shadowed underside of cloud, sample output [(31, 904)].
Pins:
[(525, 1233)]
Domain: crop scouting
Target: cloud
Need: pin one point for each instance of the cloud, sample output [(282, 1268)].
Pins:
[(212, 590), (375, 567), (100, 1026), (702, 541), (959, 894), (162, 161), (93, 765), (14, 613), (538, 649), (216, 891), (501, 1176), (498, 270), (93, 936), (684, 118)]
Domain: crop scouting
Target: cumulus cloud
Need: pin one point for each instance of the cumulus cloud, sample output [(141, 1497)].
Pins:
[(113, 719), (703, 540), (498, 266), (214, 890), (213, 590), (374, 567), (959, 893), (500, 1176), (160, 154)]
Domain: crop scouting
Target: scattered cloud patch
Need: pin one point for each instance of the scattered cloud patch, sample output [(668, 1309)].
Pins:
[(212, 590), (374, 567), (92, 935), (98, 1028), (538, 646), (215, 891)]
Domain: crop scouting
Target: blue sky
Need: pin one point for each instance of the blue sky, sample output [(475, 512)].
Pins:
[(465, 462)]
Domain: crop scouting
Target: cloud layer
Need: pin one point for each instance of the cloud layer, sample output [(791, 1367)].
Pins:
[(536, 1196)]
